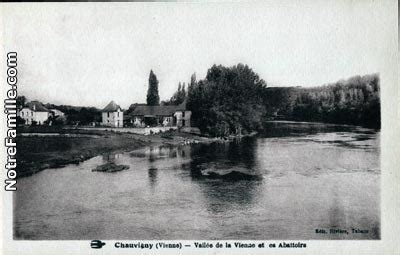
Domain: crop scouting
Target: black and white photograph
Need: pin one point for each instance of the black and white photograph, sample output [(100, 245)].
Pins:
[(196, 121)]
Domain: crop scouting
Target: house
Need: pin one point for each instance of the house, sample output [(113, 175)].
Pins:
[(34, 112), (56, 113), (112, 115), (160, 115)]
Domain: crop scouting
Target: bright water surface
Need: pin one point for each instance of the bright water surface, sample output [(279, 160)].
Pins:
[(313, 176)]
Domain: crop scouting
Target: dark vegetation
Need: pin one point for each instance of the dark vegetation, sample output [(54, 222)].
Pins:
[(232, 176), (228, 101), (355, 101), (57, 129), (234, 100), (179, 96), (110, 167), (78, 115), (152, 93)]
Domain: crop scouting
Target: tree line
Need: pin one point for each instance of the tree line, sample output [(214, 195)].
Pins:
[(235, 100), (354, 101)]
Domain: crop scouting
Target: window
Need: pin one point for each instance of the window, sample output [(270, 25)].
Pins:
[(108, 114), (31, 113), (117, 114), (183, 114)]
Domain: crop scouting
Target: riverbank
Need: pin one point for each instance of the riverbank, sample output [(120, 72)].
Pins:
[(316, 123), (55, 148)]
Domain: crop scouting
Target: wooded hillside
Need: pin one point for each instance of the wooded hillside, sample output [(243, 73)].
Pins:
[(353, 101)]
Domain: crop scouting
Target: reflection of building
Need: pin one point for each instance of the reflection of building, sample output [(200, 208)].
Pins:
[(34, 112), (112, 115), (165, 151), (110, 157), (160, 115)]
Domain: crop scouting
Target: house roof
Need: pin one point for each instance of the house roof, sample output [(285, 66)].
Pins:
[(54, 110), (36, 106), (157, 110), (136, 104), (111, 107)]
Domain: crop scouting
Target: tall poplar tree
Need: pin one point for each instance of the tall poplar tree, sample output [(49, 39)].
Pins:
[(152, 93)]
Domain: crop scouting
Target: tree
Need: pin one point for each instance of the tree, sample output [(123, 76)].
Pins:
[(21, 100), (183, 91), (193, 80), (55, 121), (152, 93), (228, 101), (20, 121), (178, 97)]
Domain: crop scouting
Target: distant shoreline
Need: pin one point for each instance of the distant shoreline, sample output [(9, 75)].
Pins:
[(319, 123)]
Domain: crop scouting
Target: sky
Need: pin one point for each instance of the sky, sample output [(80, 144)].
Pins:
[(87, 54)]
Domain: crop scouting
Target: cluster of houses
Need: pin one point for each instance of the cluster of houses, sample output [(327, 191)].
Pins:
[(139, 115), (36, 112)]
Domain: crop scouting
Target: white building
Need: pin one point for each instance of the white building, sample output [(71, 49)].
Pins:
[(34, 112), (112, 115), (56, 112)]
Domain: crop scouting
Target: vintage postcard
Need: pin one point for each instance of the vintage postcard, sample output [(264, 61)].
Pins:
[(256, 127)]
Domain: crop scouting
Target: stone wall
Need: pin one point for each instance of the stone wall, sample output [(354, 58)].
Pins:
[(140, 131)]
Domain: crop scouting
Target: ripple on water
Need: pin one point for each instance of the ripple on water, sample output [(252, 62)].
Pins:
[(312, 177)]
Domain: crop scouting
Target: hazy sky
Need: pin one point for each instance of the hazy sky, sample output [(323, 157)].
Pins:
[(92, 53)]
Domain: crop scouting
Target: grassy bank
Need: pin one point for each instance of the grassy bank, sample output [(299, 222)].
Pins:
[(37, 151)]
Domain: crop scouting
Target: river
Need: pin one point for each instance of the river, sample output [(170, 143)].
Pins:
[(312, 178)]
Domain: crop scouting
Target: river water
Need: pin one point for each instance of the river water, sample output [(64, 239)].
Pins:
[(309, 177)]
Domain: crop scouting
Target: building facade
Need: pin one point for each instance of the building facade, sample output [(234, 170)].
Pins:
[(112, 115), (160, 115), (183, 118), (34, 113)]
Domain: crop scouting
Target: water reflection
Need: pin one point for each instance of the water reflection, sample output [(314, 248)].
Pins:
[(221, 158), (288, 128), (231, 156), (337, 216), (111, 157), (224, 158), (162, 157), (308, 177), (154, 153), (221, 196), (153, 172)]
